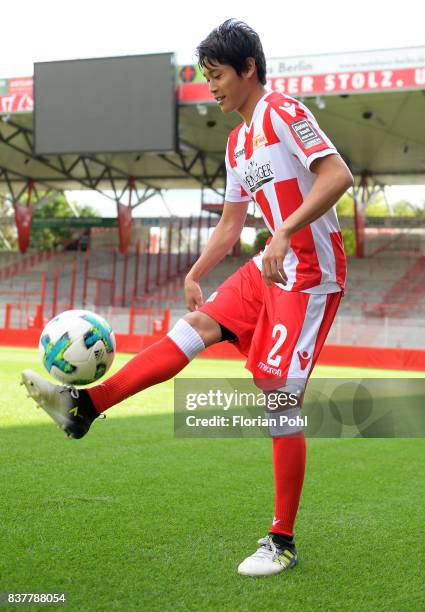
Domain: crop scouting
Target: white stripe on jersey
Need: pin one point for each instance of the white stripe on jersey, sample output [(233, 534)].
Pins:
[(306, 342)]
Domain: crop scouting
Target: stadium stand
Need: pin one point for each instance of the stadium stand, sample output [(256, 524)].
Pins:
[(384, 303)]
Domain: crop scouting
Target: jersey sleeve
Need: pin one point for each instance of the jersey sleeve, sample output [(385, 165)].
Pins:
[(298, 129), (235, 192)]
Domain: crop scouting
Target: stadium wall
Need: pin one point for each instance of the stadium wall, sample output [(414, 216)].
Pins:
[(334, 355)]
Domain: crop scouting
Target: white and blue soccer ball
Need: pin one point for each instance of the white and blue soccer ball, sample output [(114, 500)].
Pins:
[(77, 347)]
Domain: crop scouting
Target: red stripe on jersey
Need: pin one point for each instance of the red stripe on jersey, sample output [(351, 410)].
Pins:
[(249, 148), (292, 115), (340, 259), (264, 205), (294, 112), (268, 129), (243, 192), (308, 272), (231, 144)]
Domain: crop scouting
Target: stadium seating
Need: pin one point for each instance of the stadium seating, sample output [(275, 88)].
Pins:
[(384, 303)]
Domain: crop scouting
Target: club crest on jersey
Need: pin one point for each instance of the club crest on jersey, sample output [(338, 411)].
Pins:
[(256, 176), (306, 134), (259, 140)]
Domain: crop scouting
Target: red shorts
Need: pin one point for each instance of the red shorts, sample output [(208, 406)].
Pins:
[(280, 332)]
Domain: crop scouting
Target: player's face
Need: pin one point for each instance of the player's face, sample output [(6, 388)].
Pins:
[(228, 88)]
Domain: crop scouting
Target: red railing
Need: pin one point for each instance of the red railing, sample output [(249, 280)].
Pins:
[(132, 321)]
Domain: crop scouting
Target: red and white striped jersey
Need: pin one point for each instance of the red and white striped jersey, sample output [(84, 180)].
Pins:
[(269, 162)]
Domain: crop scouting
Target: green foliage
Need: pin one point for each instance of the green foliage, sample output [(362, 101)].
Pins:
[(349, 239), (246, 248), (345, 206), (403, 208), (43, 239), (260, 240), (8, 234), (377, 207)]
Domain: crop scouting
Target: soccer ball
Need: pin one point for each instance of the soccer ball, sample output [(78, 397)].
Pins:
[(77, 347)]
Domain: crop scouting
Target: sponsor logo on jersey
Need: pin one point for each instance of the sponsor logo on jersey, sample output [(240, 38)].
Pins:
[(289, 108), (239, 153), (259, 140), (304, 358), (306, 134), (269, 370), (256, 176)]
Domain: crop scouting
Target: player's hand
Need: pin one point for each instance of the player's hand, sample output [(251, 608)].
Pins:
[(272, 262), (192, 294)]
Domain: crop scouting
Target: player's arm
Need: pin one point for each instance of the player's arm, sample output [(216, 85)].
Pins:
[(224, 236), (333, 178)]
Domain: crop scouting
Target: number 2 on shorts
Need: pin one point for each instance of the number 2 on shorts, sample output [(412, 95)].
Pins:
[(281, 332)]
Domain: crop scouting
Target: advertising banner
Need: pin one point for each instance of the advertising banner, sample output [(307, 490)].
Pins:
[(356, 72), (16, 95), (325, 74)]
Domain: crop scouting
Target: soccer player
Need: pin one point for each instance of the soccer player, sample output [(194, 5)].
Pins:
[(277, 308)]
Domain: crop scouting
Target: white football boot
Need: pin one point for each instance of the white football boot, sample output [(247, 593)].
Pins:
[(269, 559), (63, 404)]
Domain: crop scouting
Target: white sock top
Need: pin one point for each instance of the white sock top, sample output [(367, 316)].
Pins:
[(186, 338)]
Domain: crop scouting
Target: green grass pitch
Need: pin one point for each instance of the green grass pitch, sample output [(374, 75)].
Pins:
[(131, 518)]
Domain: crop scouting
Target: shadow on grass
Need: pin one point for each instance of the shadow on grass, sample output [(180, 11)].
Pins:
[(131, 518)]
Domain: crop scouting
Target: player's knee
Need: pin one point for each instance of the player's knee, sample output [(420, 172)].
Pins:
[(283, 410), (207, 328)]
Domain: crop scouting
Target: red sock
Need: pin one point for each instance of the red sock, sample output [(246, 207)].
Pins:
[(289, 467), (157, 363)]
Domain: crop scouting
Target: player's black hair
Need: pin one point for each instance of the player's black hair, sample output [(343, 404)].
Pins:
[(232, 43)]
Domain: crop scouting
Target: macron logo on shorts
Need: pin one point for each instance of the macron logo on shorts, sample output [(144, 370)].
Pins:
[(304, 358), (212, 296)]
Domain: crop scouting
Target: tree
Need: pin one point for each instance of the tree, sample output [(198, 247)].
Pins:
[(8, 233), (43, 239), (403, 208)]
